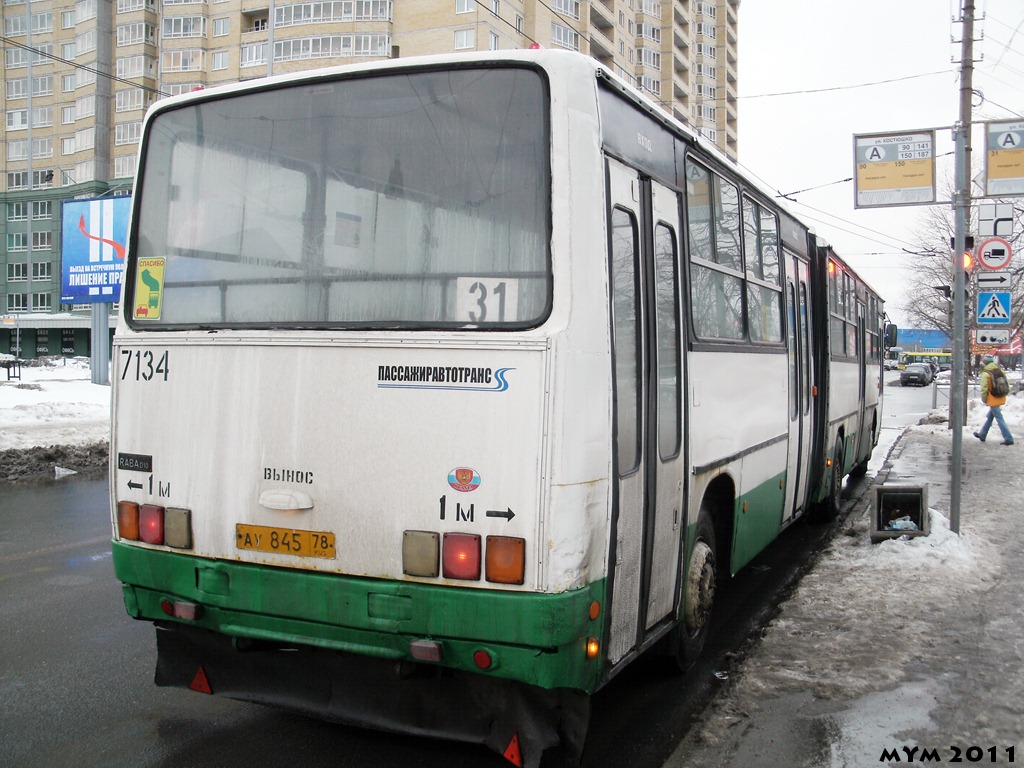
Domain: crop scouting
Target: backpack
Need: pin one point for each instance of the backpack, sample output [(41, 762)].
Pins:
[(998, 384)]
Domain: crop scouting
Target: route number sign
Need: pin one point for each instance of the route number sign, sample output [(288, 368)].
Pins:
[(894, 169)]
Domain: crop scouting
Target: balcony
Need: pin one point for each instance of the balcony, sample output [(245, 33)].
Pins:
[(601, 18)]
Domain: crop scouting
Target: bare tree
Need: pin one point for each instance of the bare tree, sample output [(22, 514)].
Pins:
[(926, 305)]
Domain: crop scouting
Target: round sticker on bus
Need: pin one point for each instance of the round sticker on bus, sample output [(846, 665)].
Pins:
[(464, 479)]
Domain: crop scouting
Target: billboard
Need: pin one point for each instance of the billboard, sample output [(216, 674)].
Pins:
[(94, 233)]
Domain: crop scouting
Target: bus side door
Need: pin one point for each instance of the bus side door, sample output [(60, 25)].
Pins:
[(648, 365)]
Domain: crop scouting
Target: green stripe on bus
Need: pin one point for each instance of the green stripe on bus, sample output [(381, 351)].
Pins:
[(758, 526), (537, 638)]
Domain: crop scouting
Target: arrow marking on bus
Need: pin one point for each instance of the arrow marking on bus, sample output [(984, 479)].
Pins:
[(135, 485), (508, 514)]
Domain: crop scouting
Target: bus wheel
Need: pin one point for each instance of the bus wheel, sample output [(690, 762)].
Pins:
[(698, 596), (828, 509)]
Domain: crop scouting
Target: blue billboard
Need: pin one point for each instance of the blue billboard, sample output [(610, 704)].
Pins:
[(94, 233)]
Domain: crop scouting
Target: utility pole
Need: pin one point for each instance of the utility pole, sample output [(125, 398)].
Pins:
[(961, 219)]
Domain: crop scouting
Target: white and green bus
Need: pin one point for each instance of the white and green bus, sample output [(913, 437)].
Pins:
[(456, 384)]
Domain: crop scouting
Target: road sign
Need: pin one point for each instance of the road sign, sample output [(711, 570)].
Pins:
[(894, 169), (993, 281), (994, 253), (994, 336), (1004, 158), (993, 307), (995, 219)]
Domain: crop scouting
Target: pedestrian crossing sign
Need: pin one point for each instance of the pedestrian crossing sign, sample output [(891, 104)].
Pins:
[(993, 307)]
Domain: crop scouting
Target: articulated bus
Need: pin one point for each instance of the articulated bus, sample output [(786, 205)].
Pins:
[(455, 384)]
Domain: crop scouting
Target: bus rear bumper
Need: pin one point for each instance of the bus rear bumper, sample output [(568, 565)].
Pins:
[(515, 719)]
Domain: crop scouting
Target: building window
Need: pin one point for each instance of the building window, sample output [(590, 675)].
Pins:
[(648, 31), (67, 20), (704, 49), (85, 106), (127, 133), (85, 10), (17, 242), (67, 115), (565, 37), (221, 26), (184, 26), (570, 8), (650, 84), (16, 302), (492, 41), (42, 302), (17, 273), (128, 100), (465, 39), (219, 60), (42, 270), (133, 34), (124, 166), (17, 211), (649, 58), (252, 55), (42, 241), (465, 6), (67, 146), (705, 29), (42, 210), (17, 180), (85, 42), (85, 139), (186, 60)]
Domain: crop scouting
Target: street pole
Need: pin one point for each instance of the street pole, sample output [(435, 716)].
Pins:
[(961, 217)]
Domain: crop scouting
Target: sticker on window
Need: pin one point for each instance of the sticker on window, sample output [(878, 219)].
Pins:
[(149, 288), (486, 299)]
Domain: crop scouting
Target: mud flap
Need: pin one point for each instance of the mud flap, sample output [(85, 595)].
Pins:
[(516, 720)]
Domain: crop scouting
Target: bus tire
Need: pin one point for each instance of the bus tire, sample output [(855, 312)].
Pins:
[(698, 598), (829, 507)]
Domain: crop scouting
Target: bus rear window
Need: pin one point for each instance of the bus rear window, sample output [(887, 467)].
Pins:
[(400, 200)]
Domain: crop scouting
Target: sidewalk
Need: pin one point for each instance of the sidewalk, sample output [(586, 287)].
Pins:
[(886, 647)]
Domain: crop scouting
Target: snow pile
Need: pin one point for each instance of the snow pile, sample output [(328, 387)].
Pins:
[(53, 403)]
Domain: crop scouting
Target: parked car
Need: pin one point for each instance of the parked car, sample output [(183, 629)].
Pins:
[(916, 373), (891, 365)]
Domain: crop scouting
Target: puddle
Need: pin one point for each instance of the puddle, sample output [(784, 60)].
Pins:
[(872, 725)]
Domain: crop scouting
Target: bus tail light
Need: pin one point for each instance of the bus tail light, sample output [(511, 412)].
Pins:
[(151, 524), (180, 609), (420, 553), (506, 560), (178, 528), (154, 524), (460, 556), (128, 520)]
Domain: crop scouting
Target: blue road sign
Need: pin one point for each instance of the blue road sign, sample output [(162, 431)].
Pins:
[(993, 307)]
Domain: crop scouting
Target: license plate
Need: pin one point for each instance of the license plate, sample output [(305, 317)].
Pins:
[(284, 541)]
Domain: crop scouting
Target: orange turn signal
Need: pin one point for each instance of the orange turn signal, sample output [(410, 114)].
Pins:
[(506, 560), (128, 520)]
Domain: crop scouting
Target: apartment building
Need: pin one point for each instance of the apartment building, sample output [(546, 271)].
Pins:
[(79, 75)]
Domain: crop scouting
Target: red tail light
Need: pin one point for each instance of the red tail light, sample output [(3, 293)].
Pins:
[(151, 524), (460, 556)]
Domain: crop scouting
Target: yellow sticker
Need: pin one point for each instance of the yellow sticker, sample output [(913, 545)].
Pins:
[(149, 288)]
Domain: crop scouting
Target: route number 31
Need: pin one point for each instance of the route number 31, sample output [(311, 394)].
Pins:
[(486, 299)]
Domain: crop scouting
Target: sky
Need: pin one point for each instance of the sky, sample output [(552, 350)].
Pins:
[(813, 75)]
